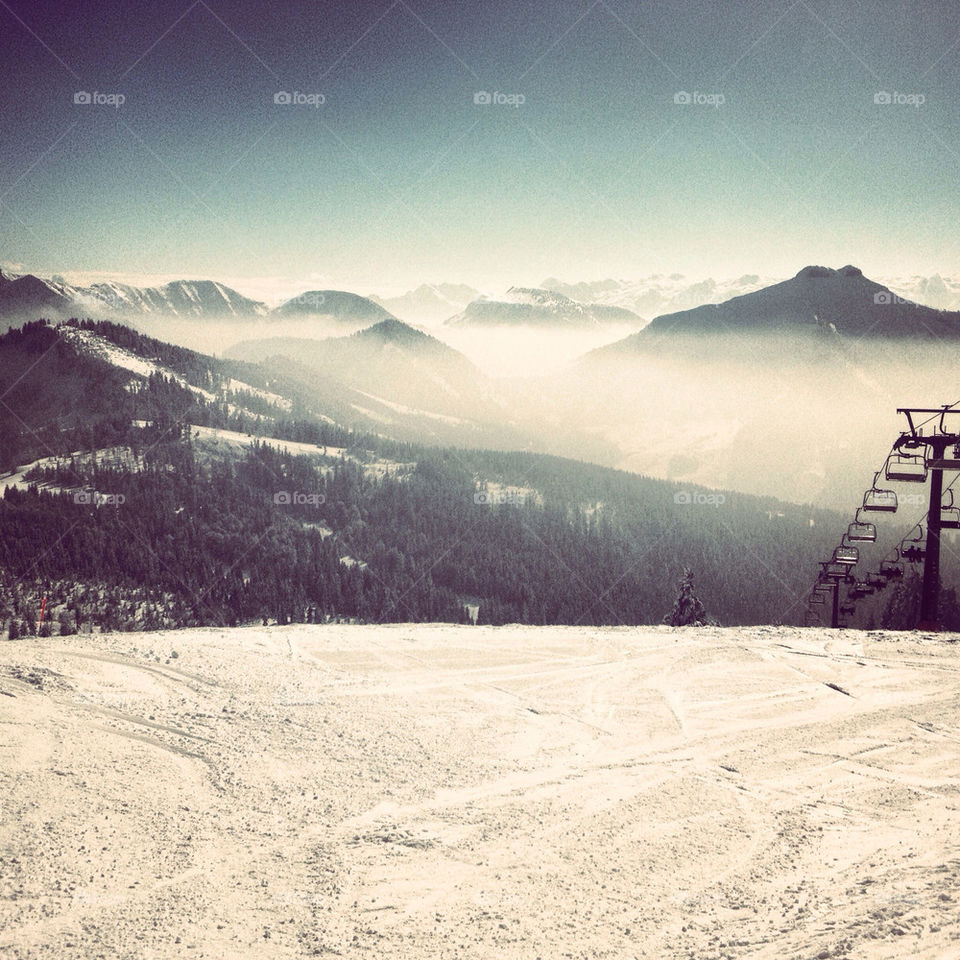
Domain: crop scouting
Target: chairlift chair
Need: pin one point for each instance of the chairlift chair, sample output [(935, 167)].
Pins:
[(862, 532), (912, 554), (846, 555), (848, 609), (950, 518), (880, 501), (817, 597), (907, 468), (892, 569)]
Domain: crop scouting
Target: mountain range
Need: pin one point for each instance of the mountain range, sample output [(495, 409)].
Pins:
[(430, 303), (532, 306), (26, 297), (571, 306), (835, 302), (659, 293)]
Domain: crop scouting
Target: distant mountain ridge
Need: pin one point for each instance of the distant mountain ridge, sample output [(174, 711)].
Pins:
[(389, 362), (336, 304), (28, 297), (430, 302), (535, 306), (659, 293), (820, 299), (180, 298)]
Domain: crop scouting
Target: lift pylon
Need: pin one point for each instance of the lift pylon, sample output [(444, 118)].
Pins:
[(932, 446)]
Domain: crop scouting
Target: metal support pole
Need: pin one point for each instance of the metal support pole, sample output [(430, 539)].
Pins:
[(930, 600), (835, 616)]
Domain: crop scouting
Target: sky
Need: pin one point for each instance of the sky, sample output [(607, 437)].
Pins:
[(490, 143)]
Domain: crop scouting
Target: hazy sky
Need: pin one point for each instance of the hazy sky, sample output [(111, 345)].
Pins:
[(400, 177)]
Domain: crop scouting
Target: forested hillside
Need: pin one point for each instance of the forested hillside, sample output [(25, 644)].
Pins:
[(152, 503)]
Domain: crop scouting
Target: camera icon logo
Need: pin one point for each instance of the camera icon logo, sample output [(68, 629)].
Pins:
[(682, 497), (282, 497), (82, 96), (282, 98), (481, 497), (883, 297), (881, 96), (681, 96), (482, 98), (313, 299)]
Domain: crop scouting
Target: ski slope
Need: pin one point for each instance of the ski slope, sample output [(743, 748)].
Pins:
[(427, 791)]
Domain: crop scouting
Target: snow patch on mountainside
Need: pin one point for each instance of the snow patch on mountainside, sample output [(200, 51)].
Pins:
[(238, 386)]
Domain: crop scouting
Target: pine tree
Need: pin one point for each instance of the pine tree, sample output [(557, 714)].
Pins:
[(903, 608), (688, 611)]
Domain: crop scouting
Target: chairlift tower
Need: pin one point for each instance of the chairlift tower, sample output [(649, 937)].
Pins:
[(937, 442), (831, 575)]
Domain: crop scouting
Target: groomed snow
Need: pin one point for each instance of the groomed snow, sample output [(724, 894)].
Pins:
[(428, 791)]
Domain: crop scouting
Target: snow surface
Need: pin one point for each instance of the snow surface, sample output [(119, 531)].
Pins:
[(95, 345), (247, 439), (272, 398), (427, 791)]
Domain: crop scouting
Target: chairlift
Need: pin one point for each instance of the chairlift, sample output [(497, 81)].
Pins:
[(880, 501), (846, 555), (912, 554), (906, 467), (892, 569), (848, 609), (862, 532), (876, 581), (950, 518), (861, 588), (817, 597), (915, 539)]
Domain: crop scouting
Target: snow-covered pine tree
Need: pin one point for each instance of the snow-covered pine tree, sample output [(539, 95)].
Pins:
[(687, 610)]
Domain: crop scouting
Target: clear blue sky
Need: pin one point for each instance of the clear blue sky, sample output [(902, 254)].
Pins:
[(399, 177)]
